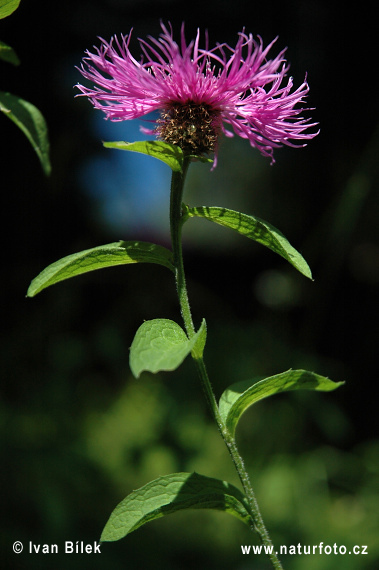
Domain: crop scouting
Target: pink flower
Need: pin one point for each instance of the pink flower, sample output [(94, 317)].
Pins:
[(200, 91)]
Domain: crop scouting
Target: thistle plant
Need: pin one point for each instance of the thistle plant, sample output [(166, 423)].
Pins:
[(201, 95)]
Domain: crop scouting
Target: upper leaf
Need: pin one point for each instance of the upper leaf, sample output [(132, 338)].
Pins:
[(172, 493), (168, 153), (161, 344), (118, 253), (200, 158), (29, 119), (7, 7), (8, 54), (255, 229), (240, 396)]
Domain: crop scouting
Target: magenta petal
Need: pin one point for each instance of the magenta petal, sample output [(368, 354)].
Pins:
[(241, 86)]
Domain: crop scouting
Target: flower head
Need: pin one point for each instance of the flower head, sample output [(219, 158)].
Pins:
[(199, 92)]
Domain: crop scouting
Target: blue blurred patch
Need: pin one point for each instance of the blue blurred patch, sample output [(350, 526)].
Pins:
[(130, 191)]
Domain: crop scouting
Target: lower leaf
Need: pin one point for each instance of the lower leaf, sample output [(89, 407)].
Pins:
[(240, 396), (172, 493)]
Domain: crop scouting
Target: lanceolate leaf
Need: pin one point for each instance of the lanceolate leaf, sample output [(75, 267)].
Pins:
[(172, 493), (200, 340), (7, 7), (255, 229), (118, 253), (162, 344), (240, 396), (29, 119), (168, 153), (8, 54)]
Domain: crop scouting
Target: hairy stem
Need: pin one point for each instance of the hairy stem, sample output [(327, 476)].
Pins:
[(176, 222)]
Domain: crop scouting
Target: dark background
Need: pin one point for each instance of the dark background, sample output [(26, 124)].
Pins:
[(78, 432)]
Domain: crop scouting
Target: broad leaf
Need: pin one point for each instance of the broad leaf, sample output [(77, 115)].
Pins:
[(170, 154), (8, 54), (255, 229), (162, 344), (7, 7), (172, 493), (29, 119), (240, 396), (118, 253)]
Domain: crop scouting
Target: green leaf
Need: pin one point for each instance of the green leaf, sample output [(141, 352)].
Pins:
[(200, 158), (29, 119), (172, 493), (255, 229), (162, 344), (118, 253), (8, 54), (168, 153), (200, 340), (7, 7), (240, 396)]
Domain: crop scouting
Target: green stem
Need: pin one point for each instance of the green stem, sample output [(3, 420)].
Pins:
[(176, 223), (177, 184)]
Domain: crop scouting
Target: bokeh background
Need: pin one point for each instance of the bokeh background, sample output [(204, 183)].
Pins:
[(78, 431)]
